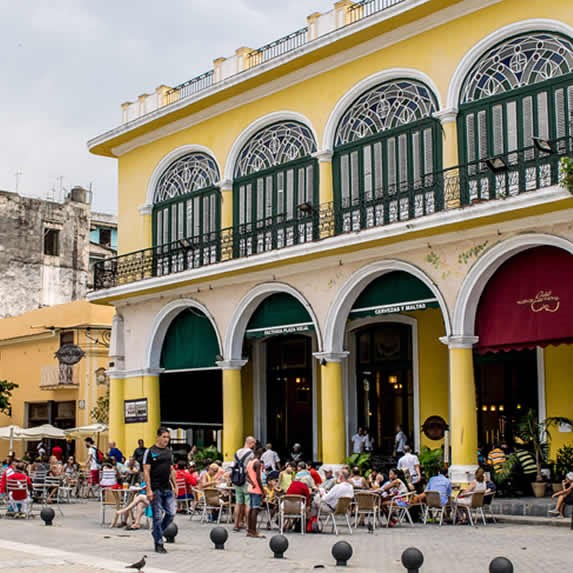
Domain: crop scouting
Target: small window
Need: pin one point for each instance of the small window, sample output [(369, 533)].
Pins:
[(52, 242), (66, 337), (105, 237)]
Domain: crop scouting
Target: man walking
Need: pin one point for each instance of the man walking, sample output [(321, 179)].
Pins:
[(160, 479), (239, 478)]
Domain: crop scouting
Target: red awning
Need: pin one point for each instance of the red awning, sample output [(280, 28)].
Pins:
[(528, 302)]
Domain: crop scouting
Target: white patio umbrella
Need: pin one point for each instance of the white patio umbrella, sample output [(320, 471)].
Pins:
[(39, 432), (84, 431), (10, 433)]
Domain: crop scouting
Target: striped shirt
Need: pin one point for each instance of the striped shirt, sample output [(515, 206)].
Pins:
[(496, 459)]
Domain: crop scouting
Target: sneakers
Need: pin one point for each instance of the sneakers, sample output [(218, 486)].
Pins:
[(159, 548), (553, 512)]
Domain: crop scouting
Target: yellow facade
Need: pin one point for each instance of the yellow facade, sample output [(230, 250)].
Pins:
[(434, 43), (28, 343)]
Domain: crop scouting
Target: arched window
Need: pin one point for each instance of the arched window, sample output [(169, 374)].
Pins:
[(387, 151), (275, 189), (186, 212), (516, 108)]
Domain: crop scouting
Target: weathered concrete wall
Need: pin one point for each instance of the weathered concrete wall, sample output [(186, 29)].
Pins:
[(30, 279)]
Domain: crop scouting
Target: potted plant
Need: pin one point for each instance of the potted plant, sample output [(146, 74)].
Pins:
[(431, 460), (537, 436), (566, 173), (563, 465)]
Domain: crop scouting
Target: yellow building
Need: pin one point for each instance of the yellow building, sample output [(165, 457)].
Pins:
[(358, 224), (49, 391)]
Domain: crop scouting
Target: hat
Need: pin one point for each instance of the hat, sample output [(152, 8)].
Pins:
[(273, 475), (569, 476), (327, 469)]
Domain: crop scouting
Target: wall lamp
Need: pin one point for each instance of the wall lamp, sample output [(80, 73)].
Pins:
[(543, 145), (185, 243), (305, 208), (496, 164)]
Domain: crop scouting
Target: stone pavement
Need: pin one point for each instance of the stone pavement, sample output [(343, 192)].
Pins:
[(78, 544)]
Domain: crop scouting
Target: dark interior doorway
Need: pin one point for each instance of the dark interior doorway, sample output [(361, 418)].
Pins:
[(289, 393)]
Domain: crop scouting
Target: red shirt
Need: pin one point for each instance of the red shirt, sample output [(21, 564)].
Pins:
[(58, 453), (299, 488), (7, 473), (20, 494), (189, 479), (315, 476)]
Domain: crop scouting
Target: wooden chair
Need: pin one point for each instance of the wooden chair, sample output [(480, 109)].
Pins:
[(400, 508), (342, 508), (292, 507), (474, 509), (109, 498), (434, 506), (367, 504), (214, 502)]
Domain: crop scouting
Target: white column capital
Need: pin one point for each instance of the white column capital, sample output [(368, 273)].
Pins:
[(446, 115), (145, 209), (225, 185), (324, 357), (323, 156), (459, 341), (231, 364)]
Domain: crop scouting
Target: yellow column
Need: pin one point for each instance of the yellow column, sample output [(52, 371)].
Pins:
[(116, 397), (151, 392), (463, 418), (332, 409), (226, 219), (233, 430), (450, 157)]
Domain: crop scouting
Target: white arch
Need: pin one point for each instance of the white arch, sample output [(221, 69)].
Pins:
[(168, 159), (161, 323), (476, 51), (342, 304), (484, 268), (363, 86), (256, 126), (238, 323)]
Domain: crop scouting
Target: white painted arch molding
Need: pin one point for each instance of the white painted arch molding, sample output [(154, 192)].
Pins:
[(484, 268), (476, 51), (163, 320), (363, 86), (342, 304), (256, 126), (245, 309), (167, 160)]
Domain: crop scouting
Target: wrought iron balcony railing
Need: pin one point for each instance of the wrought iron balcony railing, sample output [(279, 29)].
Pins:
[(500, 177), (366, 8), (279, 47)]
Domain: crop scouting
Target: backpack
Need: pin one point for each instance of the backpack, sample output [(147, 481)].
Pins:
[(238, 472), (98, 455)]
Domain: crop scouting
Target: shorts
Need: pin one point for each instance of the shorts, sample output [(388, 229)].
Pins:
[(256, 500), (242, 494), (94, 477)]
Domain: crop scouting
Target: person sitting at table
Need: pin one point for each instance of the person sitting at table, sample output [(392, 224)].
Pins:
[(131, 471), (109, 476), (185, 481), (19, 499), (131, 514), (325, 502), (210, 476), (357, 480), (329, 480), (393, 488), (286, 477), (313, 470), (477, 485), (563, 495), (299, 487), (304, 476), (440, 483)]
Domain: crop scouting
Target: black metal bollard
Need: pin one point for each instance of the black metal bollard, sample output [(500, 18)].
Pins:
[(278, 545), (47, 514), (218, 536), (171, 532), (412, 559), (342, 552), (501, 565)]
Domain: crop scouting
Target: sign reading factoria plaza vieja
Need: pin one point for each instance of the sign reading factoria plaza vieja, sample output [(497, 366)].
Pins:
[(279, 330)]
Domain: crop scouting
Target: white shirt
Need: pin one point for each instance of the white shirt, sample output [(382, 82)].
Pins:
[(400, 441), (357, 444), (409, 462), (343, 489), (92, 453), (270, 459)]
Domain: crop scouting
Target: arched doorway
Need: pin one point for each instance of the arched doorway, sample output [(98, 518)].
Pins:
[(190, 384), (280, 340), (524, 313)]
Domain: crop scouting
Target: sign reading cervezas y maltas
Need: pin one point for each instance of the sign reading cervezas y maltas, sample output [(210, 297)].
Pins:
[(69, 354)]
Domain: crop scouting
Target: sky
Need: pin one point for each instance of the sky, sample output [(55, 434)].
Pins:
[(67, 65)]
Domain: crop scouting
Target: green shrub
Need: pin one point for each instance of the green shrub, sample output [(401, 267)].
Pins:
[(564, 462), (431, 460)]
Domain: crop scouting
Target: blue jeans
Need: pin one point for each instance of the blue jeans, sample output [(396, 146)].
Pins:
[(163, 508)]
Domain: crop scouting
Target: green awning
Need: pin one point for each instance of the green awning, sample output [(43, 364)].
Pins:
[(279, 314), (392, 293), (190, 342)]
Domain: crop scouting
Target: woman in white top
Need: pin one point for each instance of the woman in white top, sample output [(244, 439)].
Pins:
[(478, 485), (109, 476), (357, 480)]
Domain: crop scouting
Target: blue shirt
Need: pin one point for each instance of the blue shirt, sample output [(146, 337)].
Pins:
[(116, 453), (442, 485)]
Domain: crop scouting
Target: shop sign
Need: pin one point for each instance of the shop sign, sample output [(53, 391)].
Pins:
[(543, 301), (434, 427), (69, 354), (279, 330), (135, 411), (409, 306)]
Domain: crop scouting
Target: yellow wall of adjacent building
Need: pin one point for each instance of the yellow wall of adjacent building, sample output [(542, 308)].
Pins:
[(27, 348), (316, 97), (558, 385)]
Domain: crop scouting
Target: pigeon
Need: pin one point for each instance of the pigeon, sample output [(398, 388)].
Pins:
[(370, 526), (139, 565)]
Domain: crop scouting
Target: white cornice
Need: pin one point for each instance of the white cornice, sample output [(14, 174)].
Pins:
[(330, 245), (346, 56)]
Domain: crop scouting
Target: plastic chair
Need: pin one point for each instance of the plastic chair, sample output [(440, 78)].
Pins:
[(342, 508), (214, 502), (366, 503), (400, 508), (183, 503), (109, 498), (15, 488), (434, 505), (292, 507), (475, 508), (487, 501)]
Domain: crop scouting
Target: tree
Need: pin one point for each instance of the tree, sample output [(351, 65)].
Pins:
[(100, 412), (6, 396)]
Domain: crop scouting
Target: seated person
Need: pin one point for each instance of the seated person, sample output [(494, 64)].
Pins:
[(304, 476), (356, 479), (477, 485), (393, 488), (286, 477), (20, 498), (211, 477), (130, 471), (564, 497), (272, 492), (298, 487), (329, 480), (442, 485), (326, 502), (185, 481), (314, 474), (109, 476), (131, 518)]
